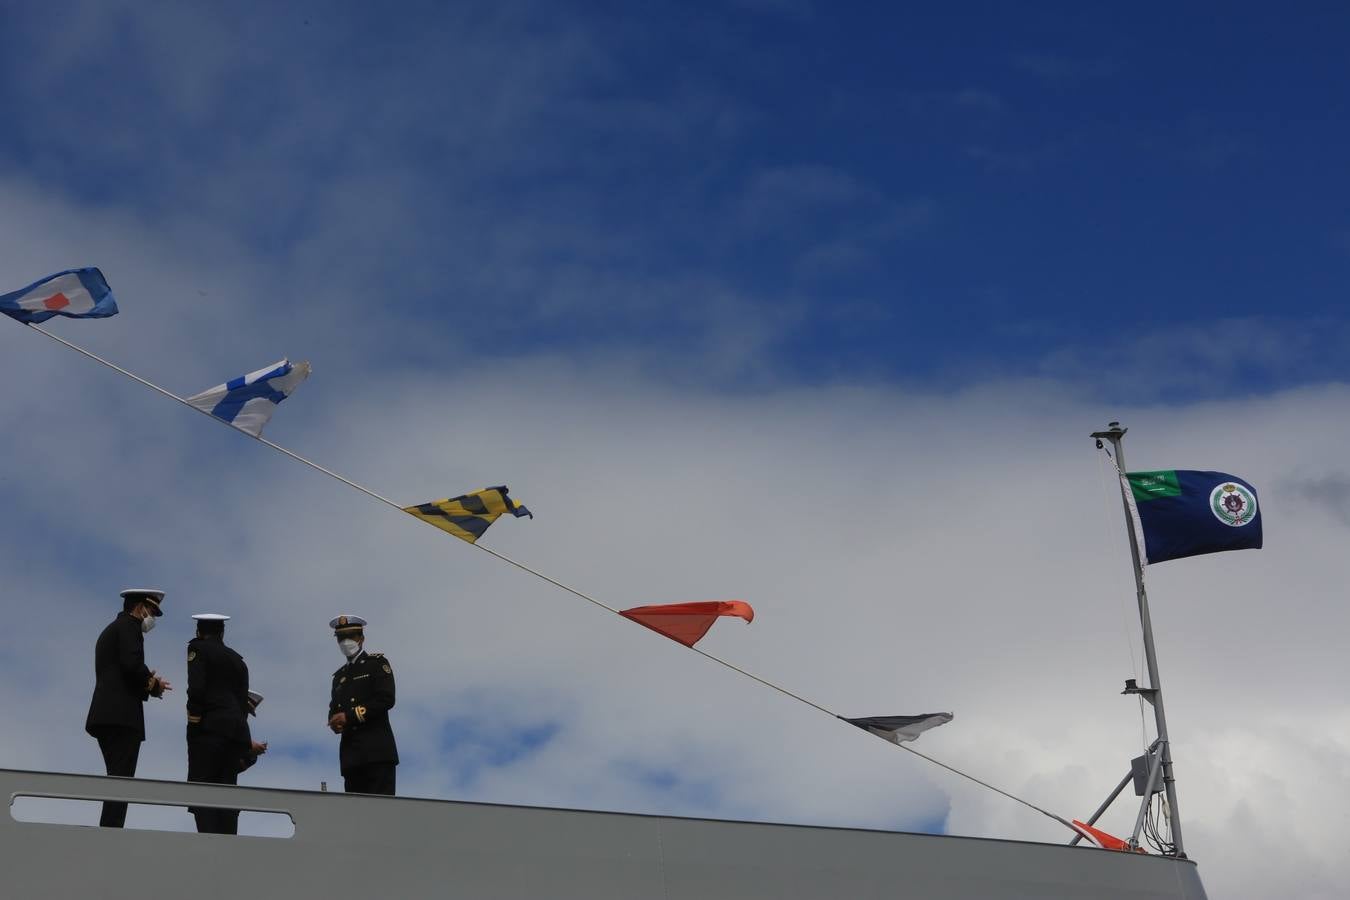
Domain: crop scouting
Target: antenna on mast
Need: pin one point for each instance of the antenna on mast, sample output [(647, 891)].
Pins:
[(1158, 759)]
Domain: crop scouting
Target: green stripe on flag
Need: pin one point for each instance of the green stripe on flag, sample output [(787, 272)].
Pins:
[(1152, 485)]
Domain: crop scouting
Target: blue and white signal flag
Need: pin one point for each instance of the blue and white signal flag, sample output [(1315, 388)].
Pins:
[(247, 402)]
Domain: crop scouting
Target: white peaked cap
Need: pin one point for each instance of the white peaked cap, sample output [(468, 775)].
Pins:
[(345, 622), (211, 617), (143, 592), (154, 595)]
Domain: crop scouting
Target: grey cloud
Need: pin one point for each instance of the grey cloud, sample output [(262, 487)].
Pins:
[(1329, 492), (793, 205), (852, 517), (517, 184), (1159, 358)]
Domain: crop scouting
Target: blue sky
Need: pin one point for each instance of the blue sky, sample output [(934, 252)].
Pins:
[(769, 300), (748, 193)]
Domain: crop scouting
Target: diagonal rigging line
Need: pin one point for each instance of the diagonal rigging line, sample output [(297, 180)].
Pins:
[(519, 565)]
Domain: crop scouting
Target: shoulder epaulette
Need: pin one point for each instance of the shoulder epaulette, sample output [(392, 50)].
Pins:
[(376, 655)]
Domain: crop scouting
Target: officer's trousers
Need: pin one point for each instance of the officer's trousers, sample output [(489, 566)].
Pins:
[(121, 747), (372, 778), (216, 760)]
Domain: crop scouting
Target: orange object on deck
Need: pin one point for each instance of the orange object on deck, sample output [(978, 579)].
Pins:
[(1102, 839)]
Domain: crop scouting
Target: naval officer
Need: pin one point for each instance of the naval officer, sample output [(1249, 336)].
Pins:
[(363, 694), (218, 705), (122, 683)]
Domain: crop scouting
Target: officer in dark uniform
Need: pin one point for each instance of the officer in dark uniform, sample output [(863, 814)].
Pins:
[(122, 683), (363, 694), (218, 739)]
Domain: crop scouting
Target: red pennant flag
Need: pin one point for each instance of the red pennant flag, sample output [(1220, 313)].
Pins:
[(687, 622), (1101, 838)]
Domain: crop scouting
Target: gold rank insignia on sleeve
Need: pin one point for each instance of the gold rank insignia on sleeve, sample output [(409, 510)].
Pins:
[(360, 713), (192, 654)]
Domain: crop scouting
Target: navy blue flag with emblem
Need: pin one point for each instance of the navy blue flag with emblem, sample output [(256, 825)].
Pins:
[(1179, 512)]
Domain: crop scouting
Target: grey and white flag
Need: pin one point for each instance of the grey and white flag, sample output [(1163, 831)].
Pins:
[(900, 728)]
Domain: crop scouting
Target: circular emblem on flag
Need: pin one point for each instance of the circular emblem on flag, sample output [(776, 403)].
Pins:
[(1232, 504)]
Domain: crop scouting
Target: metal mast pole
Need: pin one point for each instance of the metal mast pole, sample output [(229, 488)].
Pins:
[(1115, 434)]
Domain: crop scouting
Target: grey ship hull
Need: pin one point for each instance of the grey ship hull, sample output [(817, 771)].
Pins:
[(352, 846)]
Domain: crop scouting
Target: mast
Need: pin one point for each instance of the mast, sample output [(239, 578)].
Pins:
[(1153, 693)]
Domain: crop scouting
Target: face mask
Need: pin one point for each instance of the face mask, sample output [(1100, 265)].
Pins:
[(147, 624), (349, 648)]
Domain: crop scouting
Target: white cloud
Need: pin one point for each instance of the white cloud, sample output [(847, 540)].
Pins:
[(906, 552)]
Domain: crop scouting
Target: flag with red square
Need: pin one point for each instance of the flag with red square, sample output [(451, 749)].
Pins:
[(74, 293)]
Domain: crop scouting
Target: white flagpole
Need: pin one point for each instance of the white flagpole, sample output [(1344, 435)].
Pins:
[(524, 568), (1153, 693)]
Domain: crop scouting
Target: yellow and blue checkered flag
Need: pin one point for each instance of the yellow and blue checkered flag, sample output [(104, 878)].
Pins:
[(469, 516)]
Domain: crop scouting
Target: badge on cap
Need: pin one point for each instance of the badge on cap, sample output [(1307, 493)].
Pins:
[(347, 624)]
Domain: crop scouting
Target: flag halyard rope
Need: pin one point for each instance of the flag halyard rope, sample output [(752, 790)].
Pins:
[(519, 565)]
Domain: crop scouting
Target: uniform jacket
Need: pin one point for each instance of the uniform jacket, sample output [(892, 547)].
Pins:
[(122, 680), (364, 690), (217, 693)]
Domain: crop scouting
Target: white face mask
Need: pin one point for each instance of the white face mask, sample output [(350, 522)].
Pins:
[(147, 624), (349, 648)]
